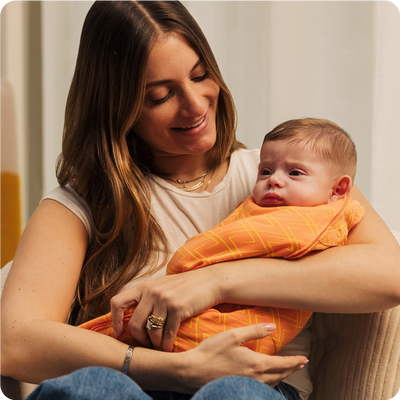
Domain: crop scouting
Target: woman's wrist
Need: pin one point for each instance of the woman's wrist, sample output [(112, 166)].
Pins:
[(225, 279), (159, 370), (218, 281)]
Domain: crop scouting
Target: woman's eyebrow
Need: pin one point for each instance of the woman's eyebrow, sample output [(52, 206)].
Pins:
[(165, 81)]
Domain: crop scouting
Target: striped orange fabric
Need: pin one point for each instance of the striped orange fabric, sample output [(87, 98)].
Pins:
[(253, 231)]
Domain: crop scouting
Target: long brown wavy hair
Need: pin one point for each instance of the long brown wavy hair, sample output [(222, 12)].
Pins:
[(104, 160)]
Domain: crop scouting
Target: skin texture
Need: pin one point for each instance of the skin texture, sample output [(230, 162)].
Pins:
[(292, 174), (360, 277)]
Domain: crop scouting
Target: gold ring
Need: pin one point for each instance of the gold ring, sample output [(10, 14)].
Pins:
[(154, 322)]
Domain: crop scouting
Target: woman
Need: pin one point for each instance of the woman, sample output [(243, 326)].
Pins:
[(149, 159)]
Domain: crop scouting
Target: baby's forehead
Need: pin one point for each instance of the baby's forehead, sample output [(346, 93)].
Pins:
[(293, 145), (299, 151)]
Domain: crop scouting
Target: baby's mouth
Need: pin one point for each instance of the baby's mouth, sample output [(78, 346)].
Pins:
[(273, 196)]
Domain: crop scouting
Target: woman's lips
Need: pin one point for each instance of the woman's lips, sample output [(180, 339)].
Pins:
[(194, 128)]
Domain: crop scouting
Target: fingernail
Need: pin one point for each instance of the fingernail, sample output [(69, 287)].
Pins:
[(270, 327)]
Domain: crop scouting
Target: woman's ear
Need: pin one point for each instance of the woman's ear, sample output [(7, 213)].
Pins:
[(341, 188)]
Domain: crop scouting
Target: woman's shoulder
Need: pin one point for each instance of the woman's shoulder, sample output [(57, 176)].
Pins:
[(245, 161), (67, 196), (243, 155)]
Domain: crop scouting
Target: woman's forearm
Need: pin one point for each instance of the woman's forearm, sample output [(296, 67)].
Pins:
[(41, 350), (339, 280), (36, 344), (38, 350), (362, 276), (34, 350)]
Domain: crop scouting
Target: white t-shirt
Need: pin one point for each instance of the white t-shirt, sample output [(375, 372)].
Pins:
[(182, 215)]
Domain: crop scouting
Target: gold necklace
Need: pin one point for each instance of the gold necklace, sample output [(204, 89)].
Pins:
[(184, 182), (208, 181)]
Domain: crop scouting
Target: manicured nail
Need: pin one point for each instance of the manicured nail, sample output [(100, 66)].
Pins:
[(270, 327)]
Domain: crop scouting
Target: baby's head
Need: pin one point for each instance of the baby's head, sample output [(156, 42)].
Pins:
[(305, 162)]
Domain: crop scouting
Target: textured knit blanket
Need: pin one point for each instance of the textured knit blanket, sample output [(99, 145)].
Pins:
[(252, 231)]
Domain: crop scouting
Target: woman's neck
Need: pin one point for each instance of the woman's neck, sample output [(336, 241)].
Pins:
[(185, 167)]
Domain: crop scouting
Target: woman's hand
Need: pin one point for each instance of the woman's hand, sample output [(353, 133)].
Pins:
[(173, 298), (223, 355)]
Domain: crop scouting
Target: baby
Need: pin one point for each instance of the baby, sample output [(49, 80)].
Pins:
[(300, 203), (305, 162)]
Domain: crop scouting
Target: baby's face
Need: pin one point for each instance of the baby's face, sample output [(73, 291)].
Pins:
[(291, 174)]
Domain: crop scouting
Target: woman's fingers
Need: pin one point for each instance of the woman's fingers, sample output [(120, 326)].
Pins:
[(118, 303), (170, 331), (225, 350), (254, 332), (158, 319)]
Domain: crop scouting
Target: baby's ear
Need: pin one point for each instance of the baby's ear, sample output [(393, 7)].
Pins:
[(341, 188)]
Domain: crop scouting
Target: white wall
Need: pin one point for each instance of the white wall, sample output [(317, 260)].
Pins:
[(385, 160), (61, 28)]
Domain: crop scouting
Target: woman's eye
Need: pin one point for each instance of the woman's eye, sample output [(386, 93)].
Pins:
[(201, 78), (295, 173), (160, 101)]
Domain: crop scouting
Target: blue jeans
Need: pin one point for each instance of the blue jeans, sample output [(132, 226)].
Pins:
[(94, 383)]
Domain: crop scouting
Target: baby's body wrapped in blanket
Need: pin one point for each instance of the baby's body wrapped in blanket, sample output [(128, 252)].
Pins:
[(252, 231)]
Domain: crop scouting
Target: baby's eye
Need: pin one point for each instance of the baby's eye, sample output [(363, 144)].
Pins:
[(265, 172), (295, 173)]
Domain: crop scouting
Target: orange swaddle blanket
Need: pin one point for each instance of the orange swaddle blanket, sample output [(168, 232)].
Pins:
[(252, 231)]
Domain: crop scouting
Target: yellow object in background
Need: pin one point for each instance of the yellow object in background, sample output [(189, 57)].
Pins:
[(10, 179)]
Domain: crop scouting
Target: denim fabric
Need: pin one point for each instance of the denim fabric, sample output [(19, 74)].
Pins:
[(236, 388), (92, 383), (96, 383), (287, 391)]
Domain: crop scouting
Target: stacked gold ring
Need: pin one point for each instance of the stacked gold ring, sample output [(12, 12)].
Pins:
[(154, 322)]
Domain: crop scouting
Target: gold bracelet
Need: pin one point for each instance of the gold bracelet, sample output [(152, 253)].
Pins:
[(128, 357)]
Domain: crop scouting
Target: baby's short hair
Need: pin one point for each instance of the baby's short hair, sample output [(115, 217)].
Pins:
[(329, 140)]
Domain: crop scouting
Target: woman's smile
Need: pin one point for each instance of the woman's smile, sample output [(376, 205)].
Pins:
[(195, 128)]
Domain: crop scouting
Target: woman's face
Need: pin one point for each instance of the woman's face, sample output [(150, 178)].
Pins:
[(178, 116)]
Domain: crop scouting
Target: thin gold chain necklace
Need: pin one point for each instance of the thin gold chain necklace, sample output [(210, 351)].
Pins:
[(184, 182)]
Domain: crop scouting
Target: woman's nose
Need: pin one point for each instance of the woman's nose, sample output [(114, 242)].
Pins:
[(192, 103)]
